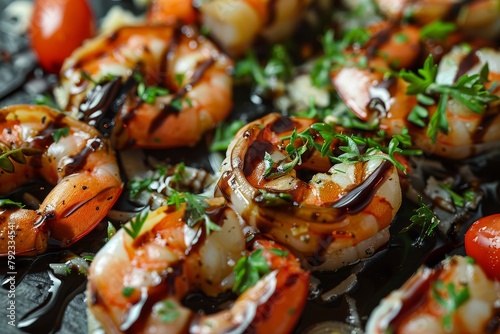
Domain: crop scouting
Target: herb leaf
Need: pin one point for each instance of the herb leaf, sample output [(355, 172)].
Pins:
[(469, 90), (8, 202), (399, 144), (224, 134), (167, 310), (278, 67), (136, 186), (249, 269), (334, 54), (450, 299), (195, 209), (437, 30), (17, 155), (148, 94), (136, 224), (61, 132), (425, 218)]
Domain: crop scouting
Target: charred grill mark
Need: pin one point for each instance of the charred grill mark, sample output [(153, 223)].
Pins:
[(282, 124), (271, 9), (255, 155), (483, 127), (466, 64), (361, 195), (97, 106), (75, 207), (379, 39), (79, 160), (171, 109)]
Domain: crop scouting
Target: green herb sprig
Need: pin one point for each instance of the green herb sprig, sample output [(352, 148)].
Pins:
[(196, 206), (399, 144), (61, 132), (136, 186), (334, 55), (437, 30), (278, 67), (469, 90), (450, 299), (136, 224), (457, 199), (46, 100), (7, 157), (249, 270), (224, 134), (146, 93), (425, 218), (167, 311), (7, 202)]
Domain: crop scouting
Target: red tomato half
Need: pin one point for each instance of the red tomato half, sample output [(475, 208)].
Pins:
[(57, 28), (482, 243)]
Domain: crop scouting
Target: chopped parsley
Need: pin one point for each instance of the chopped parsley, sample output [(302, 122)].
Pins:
[(352, 154), (450, 299), (167, 311), (224, 134), (61, 132), (425, 218), (136, 186), (279, 252), (110, 231), (459, 200), (249, 270), (278, 67), (470, 90), (46, 100), (334, 54), (196, 206), (437, 30), (128, 291), (7, 157), (8, 202), (136, 224), (148, 94)]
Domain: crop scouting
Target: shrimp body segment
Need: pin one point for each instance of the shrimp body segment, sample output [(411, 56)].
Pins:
[(155, 271), (235, 24), (70, 155), (340, 215), (422, 304), (148, 86)]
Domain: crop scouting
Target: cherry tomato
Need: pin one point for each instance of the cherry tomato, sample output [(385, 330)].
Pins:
[(57, 28), (482, 243)]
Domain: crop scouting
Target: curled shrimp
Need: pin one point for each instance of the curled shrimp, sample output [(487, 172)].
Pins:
[(234, 24), (148, 86), (470, 133), (479, 18), (455, 297), (338, 216), (168, 259), (67, 153)]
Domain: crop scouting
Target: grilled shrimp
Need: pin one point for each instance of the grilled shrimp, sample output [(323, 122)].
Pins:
[(342, 214), (479, 17), (151, 86), (470, 133), (456, 297), (234, 24), (67, 153), (152, 273)]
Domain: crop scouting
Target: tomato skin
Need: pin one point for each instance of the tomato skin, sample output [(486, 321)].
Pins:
[(482, 243), (57, 28)]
